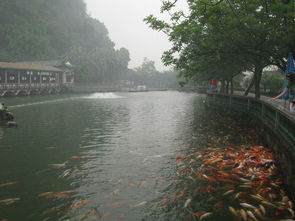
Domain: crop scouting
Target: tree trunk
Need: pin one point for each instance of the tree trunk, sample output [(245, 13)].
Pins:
[(222, 86), (231, 86), (227, 87), (250, 86), (257, 77)]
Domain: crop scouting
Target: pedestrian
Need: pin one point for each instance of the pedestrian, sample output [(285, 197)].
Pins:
[(290, 89)]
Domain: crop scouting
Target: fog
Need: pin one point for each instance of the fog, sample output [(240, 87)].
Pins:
[(124, 21)]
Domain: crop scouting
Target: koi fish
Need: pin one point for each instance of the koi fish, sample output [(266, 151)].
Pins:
[(54, 194), (8, 184), (139, 204), (90, 213), (268, 204), (290, 204), (187, 202), (238, 195), (131, 185), (199, 213), (118, 181), (245, 186), (228, 192), (206, 215), (248, 206), (245, 180), (243, 214), (115, 192), (8, 202), (77, 204), (257, 197), (66, 173), (48, 211), (59, 165), (164, 201), (292, 212), (46, 194), (232, 211), (173, 197), (118, 203), (226, 180), (250, 214), (285, 199), (262, 209), (142, 183), (258, 213)]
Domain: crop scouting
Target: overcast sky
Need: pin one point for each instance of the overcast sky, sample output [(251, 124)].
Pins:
[(124, 21)]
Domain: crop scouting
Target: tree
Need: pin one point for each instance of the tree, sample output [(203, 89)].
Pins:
[(219, 31), (42, 29), (147, 67)]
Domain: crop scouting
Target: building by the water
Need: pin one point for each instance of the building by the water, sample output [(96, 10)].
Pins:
[(38, 77)]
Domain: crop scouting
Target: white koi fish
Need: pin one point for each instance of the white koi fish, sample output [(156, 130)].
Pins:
[(228, 192), (139, 204), (250, 214), (8, 202), (248, 206), (262, 209), (187, 202), (206, 215)]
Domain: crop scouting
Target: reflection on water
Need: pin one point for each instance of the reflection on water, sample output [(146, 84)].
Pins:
[(98, 158)]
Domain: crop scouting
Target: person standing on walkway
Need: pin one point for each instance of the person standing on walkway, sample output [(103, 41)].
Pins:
[(289, 89)]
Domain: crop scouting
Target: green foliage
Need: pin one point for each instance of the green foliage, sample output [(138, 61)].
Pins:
[(272, 82), (147, 67), (227, 37), (148, 75), (42, 29)]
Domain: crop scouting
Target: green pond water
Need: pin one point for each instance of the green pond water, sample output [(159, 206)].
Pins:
[(101, 156)]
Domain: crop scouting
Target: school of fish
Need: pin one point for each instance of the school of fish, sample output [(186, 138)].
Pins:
[(229, 183)]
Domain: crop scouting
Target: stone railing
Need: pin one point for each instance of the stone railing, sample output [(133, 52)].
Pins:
[(275, 126)]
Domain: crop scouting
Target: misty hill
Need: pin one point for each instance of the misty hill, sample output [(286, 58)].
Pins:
[(42, 29)]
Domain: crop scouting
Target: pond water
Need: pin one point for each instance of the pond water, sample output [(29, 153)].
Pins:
[(108, 156)]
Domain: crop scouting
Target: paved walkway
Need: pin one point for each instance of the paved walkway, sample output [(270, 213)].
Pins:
[(280, 104)]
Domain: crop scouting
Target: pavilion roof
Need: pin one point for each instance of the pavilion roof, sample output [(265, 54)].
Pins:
[(28, 67)]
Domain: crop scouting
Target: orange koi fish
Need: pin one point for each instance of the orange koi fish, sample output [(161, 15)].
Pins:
[(48, 211), (78, 204), (243, 214), (199, 213), (8, 184), (164, 201), (118, 203), (226, 180)]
